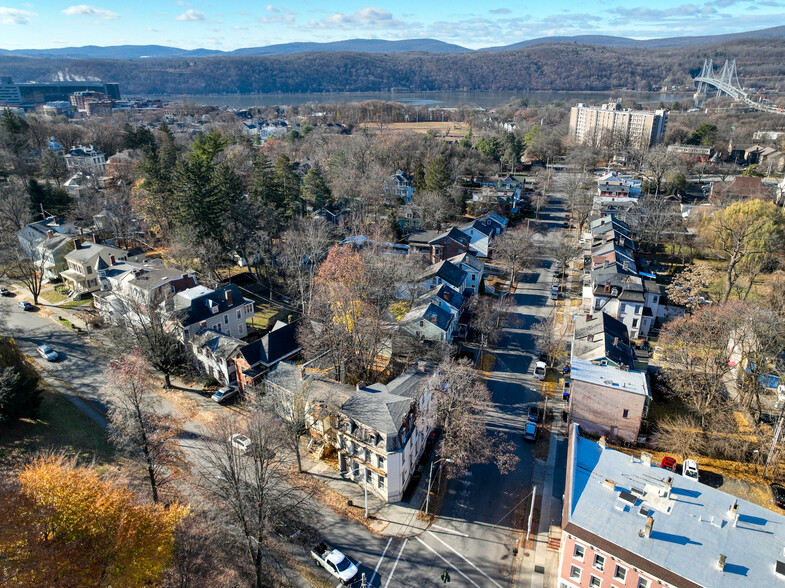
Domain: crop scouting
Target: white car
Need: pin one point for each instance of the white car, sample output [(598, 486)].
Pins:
[(689, 469), (540, 369), (224, 394), (336, 563), (47, 352), (240, 442)]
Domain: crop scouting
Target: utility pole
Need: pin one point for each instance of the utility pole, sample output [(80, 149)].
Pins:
[(777, 433), (365, 485), (531, 513)]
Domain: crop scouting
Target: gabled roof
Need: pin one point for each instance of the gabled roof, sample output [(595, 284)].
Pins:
[(430, 312), (467, 258), (220, 345), (275, 345), (494, 216), (447, 271), (449, 295), (486, 228), (600, 336), (87, 250), (382, 407), (455, 234)]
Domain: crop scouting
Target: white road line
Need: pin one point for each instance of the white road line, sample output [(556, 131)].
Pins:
[(446, 530), (395, 565), (464, 559), (445, 561), (378, 563)]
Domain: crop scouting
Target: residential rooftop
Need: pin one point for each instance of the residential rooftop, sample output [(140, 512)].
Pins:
[(583, 370), (609, 495)]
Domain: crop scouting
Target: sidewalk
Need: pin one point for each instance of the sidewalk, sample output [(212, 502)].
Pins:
[(538, 567), (390, 520)]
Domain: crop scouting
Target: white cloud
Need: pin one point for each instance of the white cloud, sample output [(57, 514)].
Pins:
[(370, 16), (151, 30), (14, 16), (240, 28), (85, 10), (500, 11), (192, 15), (271, 8), (644, 13)]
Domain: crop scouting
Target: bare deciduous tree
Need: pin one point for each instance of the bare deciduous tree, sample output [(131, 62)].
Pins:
[(301, 248), (516, 250), (689, 285), (461, 402), (552, 338), (254, 487), (138, 426)]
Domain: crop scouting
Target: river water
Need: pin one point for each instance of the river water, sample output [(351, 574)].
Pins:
[(443, 99)]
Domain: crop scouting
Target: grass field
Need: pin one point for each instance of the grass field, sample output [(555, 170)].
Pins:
[(60, 427), (447, 130)]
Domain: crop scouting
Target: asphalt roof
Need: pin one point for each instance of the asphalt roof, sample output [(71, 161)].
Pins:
[(384, 407), (471, 260), (87, 250), (193, 310), (219, 344), (430, 312), (602, 337), (693, 525), (447, 271), (276, 344)]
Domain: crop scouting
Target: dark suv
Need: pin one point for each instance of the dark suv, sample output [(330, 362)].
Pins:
[(533, 413)]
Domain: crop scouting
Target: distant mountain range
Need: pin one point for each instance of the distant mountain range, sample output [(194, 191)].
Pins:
[(125, 52)]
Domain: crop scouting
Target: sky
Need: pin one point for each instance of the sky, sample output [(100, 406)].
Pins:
[(231, 24)]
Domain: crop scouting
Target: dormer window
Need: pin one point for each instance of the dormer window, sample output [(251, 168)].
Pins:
[(614, 291)]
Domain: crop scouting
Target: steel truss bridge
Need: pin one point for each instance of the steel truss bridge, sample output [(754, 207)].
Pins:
[(726, 81)]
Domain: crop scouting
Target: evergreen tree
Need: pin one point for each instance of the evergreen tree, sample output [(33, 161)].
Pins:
[(265, 189), (47, 200), (289, 184), (315, 189), (437, 176), (419, 177)]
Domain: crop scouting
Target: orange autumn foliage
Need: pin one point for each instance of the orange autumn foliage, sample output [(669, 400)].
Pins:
[(61, 525)]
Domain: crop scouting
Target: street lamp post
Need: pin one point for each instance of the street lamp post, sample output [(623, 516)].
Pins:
[(430, 480)]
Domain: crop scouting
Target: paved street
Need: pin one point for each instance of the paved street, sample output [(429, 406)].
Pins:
[(474, 536)]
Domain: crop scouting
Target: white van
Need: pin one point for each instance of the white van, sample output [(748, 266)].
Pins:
[(689, 469)]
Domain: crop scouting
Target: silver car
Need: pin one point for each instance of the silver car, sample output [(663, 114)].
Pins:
[(47, 352)]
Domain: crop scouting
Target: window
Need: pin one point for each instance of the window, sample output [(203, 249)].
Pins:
[(422, 323), (249, 309), (643, 583), (578, 552), (620, 573), (595, 582), (381, 482), (89, 270), (240, 330), (623, 307), (625, 414), (575, 573), (599, 562), (638, 309), (368, 475), (381, 462), (226, 319), (239, 314)]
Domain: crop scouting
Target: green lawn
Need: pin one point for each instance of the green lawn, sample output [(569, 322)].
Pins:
[(75, 303), (265, 316), (61, 427)]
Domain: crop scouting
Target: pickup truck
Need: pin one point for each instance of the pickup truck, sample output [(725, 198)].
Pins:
[(335, 562)]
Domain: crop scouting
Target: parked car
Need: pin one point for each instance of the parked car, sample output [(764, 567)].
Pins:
[(533, 414), (335, 562), (224, 394), (530, 431), (240, 442), (47, 352), (540, 369), (566, 224), (554, 294), (668, 463), (778, 490), (25, 305), (565, 389), (689, 469), (5, 292)]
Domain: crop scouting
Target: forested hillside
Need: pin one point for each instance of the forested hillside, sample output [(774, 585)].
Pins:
[(558, 66)]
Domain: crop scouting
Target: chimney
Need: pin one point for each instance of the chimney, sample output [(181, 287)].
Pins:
[(602, 442), (590, 337), (49, 233), (668, 486), (607, 286), (421, 366), (721, 562), (96, 239), (649, 527), (111, 260), (229, 297), (77, 244), (605, 263), (646, 458), (589, 318), (733, 512), (615, 341)]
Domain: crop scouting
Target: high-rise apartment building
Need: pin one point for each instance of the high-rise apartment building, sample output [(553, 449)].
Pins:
[(609, 125)]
